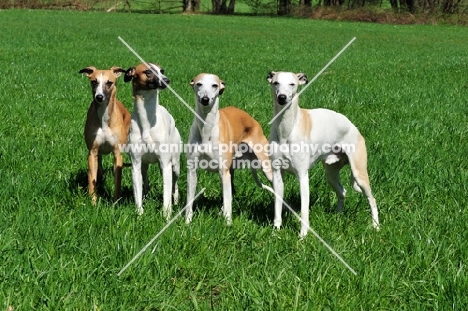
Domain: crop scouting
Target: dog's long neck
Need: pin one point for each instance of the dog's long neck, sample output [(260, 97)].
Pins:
[(145, 104), (211, 118), (286, 120), (106, 108)]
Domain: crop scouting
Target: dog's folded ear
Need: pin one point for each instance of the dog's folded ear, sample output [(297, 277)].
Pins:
[(302, 78), (88, 71), (192, 82), (270, 76), (117, 71), (129, 74), (221, 87)]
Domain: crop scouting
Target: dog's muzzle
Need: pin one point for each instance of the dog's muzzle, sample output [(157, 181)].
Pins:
[(282, 99), (158, 84), (164, 83), (205, 100)]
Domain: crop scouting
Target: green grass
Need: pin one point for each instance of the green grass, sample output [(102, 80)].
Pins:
[(404, 86)]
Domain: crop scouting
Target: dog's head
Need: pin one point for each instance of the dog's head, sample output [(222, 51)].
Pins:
[(285, 84), (145, 77), (102, 81), (207, 88)]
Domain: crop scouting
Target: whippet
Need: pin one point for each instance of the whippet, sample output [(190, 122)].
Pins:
[(299, 138), (153, 136), (106, 127), (218, 140)]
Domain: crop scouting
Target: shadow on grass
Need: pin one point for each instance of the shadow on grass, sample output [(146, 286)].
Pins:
[(78, 185), (260, 213)]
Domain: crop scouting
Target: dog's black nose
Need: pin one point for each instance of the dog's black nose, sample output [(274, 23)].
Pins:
[(205, 100), (99, 98), (163, 83), (281, 98)]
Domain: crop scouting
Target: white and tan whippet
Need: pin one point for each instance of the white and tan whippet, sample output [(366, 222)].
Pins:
[(299, 138), (106, 127), (153, 136), (224, 137)]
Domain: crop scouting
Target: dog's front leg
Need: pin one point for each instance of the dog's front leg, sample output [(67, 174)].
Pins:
[(92, 174), (191, 187), (303, 177), (278, 187), (167, 187), (137, 184), (227, 193)]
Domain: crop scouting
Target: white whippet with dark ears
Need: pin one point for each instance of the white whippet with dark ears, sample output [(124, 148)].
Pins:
[(215, 138), (299, 138), (153, 136)]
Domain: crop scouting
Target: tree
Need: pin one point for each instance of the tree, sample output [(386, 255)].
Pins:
[(284, 7), (191, 6), (221, 6)]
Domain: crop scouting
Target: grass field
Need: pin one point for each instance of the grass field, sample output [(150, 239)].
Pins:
[(404, 86)]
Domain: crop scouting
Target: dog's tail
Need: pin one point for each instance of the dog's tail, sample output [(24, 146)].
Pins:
[(259, 183)]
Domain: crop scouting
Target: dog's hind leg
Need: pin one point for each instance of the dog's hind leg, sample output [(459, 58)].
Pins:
[(175, 178), (144, 178), (118, 163), (261, 152), (233, 188), (358, 163), (332, 173)]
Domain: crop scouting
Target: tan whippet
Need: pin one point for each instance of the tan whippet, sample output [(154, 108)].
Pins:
[(106, 127), (299, 138), (224, 136), (153, 136)]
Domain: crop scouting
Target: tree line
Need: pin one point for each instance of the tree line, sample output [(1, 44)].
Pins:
[(285, 7)]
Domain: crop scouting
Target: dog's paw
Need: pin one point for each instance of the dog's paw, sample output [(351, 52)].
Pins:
[(140, 211), (376, 226), (303, 234), (275, 233)]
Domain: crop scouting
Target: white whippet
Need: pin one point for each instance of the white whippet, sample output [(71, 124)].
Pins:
[(218, 140), (153, 136), (106, 127), (299, 138)]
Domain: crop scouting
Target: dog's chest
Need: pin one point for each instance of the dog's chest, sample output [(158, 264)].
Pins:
[(106, 139), (205, 150)]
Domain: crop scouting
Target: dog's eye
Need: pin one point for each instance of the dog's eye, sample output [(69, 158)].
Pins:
[(109, 83), (94, 83), (199, 84), (161, 71), (147, 72), (214, 86), (292, 84), (276, 83)]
